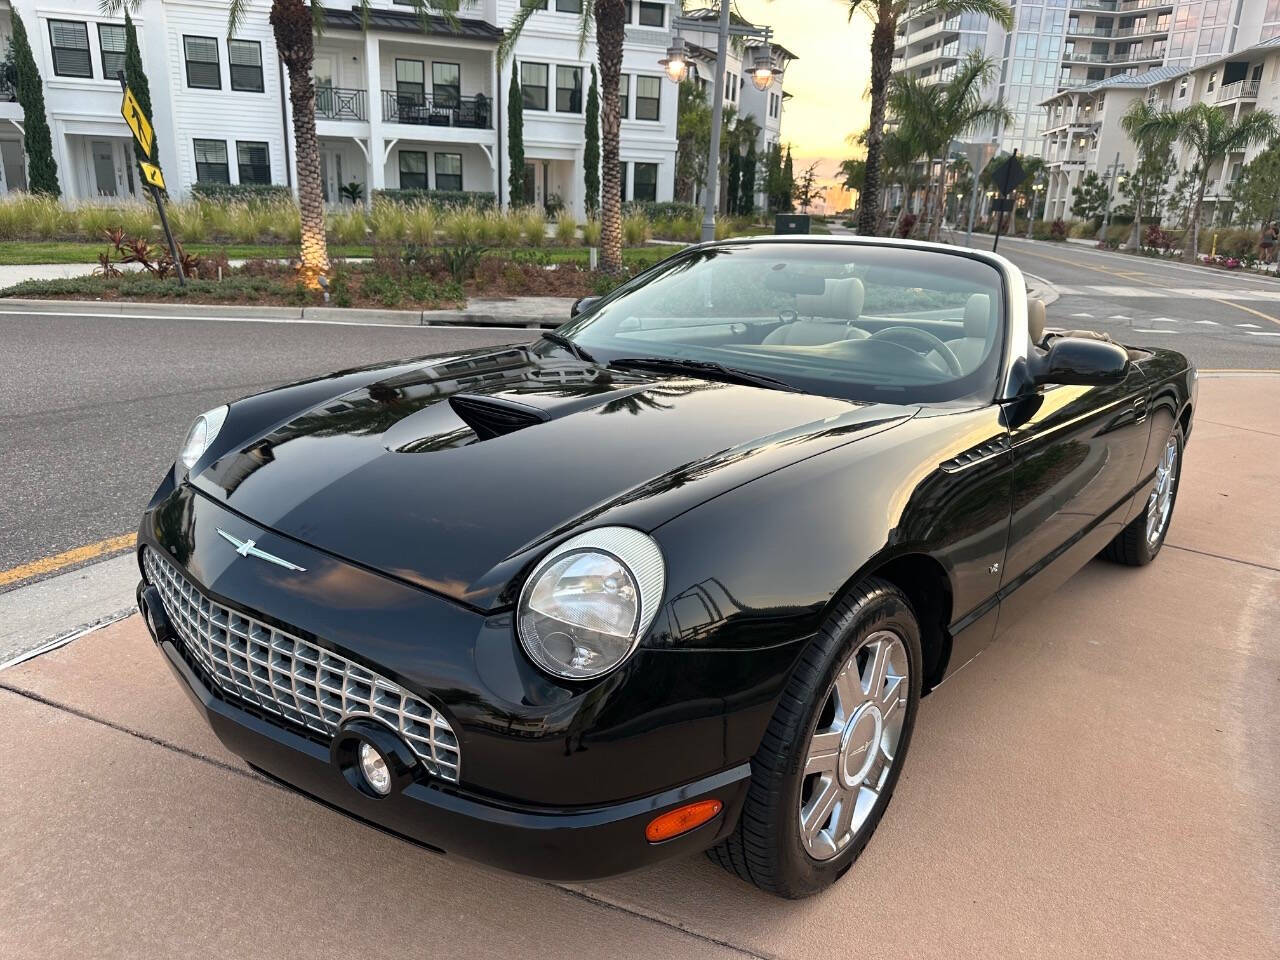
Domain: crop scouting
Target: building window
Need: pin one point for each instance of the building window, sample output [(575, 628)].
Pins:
[(1213, 81), (627, 5), (533, 84), (1182, 88), (622, 180), (446, 84), (111, 44), (211, 160), (70, 43), (624, 96), (448, 171), (569, 89), (652, 14), (646, 182), (203, 71), (569, 6), (245, 57), (410, 81), (413, 170), (648, 95), (254, 161)]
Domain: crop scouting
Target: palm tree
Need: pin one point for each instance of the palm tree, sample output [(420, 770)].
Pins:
[(609, 18), (884, 15), (294, 24), (1142, 123), (1209, 134), (937, 113), (900, 153)]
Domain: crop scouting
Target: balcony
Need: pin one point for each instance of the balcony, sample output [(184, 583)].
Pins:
[(1089, 31), (1076, 56), (1106, 5), (1137, 56), (473, 113), (341, 103), (1240, 90), (1142, 31), (1128, 5)]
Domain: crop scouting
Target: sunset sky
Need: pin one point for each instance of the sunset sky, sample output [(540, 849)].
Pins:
[(828, 83)]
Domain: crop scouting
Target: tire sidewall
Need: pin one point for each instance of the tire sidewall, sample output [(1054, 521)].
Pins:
[(886, 609)]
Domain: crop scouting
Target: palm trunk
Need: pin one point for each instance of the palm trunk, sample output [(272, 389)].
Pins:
[(610, 25), (293, 27), (940, 206), (1135, 235), (881, 68), (1191, 254)]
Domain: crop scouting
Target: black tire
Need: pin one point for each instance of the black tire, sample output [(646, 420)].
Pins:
[(1131, 546), (766, 848)]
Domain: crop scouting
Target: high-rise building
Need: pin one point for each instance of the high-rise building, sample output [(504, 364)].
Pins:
[(1062, 44)]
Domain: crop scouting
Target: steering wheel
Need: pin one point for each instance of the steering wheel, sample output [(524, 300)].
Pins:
[(928, 339)]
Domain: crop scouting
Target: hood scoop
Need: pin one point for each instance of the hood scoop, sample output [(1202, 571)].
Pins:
[(490, 417)]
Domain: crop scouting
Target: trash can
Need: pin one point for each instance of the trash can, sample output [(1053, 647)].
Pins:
[(791, 223)]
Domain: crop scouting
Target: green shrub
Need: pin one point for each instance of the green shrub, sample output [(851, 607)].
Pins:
[(461, 260), (635, 230), (687, 229), (440, 199), (533, 226), (566, 230), (463, 226), (421, 221), (1083, 229), (347, 226), (389, 221), (506, 230), (1234, 242), (224, 192), (591, 233), (662, 210)]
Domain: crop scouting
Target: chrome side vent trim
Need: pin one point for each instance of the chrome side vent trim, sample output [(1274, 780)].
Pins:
[(975, 455)]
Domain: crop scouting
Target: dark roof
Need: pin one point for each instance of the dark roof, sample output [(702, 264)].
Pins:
[(401, 21)]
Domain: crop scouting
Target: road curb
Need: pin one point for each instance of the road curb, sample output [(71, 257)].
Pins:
[(414, 318), (1041, 289)]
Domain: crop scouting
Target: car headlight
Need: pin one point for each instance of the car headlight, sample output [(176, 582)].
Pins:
[(201, 434), (587, 604)]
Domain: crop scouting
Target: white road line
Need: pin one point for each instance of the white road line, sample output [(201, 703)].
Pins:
[(1088, 315), (1248, 326), (1119, 316), (1162, 320), (1264, 333), (1160, 330), (1207, 323)]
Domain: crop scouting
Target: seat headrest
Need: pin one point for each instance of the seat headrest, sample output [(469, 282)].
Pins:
[(1035, 320), (977, 316), (839, 300)]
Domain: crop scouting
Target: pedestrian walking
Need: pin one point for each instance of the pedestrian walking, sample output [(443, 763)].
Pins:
[(1268, 242)]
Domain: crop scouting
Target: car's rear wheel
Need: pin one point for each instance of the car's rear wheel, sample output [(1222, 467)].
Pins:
[(1139, 542), (832, 754)]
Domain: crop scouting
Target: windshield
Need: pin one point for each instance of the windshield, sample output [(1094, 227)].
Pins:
[(848, 320)]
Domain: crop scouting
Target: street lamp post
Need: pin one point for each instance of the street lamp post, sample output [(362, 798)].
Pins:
[(763, 72), (1036, 189)]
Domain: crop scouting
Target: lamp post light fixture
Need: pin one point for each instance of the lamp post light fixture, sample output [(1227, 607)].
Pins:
[(676, 65)]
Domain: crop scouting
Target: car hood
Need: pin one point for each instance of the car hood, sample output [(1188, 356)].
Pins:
[(451, 474)]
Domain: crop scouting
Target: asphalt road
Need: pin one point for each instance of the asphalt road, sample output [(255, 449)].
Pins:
[(1221, 320), (92, 410)]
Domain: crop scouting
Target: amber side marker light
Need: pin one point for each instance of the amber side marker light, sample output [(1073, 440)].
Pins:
[(681, 820)]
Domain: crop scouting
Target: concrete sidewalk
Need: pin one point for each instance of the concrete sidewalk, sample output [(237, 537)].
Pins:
[(1104, 781)]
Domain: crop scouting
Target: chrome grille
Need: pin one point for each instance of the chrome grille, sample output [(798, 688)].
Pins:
[(287, 676)]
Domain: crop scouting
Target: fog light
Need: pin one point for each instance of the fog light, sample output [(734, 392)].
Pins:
[(375, 771)]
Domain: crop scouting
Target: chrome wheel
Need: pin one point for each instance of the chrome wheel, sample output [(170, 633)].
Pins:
[(1160, 503), (854, 744)]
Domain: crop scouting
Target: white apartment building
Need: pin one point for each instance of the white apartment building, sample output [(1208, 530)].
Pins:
[(1084, 132), (396, 106), (1063, 44)]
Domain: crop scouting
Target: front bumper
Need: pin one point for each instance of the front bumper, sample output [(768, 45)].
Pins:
[(552, 844)]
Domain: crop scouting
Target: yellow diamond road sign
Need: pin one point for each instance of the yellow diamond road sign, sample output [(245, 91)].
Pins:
[(152, 174), (131, 110)]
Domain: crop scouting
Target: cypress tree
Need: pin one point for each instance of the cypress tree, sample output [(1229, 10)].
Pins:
[(789, 184), (137, 80), (42, 169), (772, 178), (747, 191), (515, 137), (591, 152), (735, 180)]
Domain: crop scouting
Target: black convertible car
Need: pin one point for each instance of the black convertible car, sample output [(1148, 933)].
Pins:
[(670, 578)]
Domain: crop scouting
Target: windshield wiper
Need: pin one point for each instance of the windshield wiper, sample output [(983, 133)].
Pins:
[(560, 340), (705, 368)]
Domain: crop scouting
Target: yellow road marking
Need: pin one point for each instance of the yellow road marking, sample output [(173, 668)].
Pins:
[(1130, 276), (77, 555)]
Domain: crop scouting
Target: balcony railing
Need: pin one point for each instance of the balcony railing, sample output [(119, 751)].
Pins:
[(1240, 90), (341, 103), (1127, 5), (446, 111), (1089, 31), (1108, 5), (1080, 56)]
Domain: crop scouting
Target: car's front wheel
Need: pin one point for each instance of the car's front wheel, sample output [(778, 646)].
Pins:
[(1139, 542), (834, 749)]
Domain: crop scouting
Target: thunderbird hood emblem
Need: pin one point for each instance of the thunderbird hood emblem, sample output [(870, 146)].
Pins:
[(247, 548)]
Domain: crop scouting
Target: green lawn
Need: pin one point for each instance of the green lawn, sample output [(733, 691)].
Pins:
[(72, 251)]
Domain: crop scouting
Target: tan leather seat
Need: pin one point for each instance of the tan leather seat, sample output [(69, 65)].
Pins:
[(972, 347), (825, 317), (1036, 319)]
